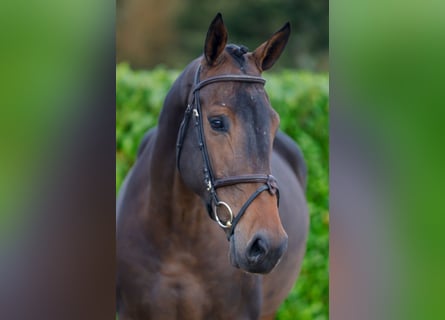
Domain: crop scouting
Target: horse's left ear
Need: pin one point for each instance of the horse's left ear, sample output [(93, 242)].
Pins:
[(216, 40), (269, 52)]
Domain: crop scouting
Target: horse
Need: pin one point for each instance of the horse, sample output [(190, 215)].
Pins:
[(212, 219)]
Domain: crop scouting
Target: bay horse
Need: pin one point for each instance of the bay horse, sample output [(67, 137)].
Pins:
[(216, 151)]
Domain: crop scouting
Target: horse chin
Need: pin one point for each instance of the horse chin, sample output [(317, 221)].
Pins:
[(262, 268)]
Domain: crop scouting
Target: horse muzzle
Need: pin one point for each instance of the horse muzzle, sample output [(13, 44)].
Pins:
[(261, 254)]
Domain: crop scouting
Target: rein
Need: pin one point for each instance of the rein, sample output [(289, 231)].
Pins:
[(268, 181)]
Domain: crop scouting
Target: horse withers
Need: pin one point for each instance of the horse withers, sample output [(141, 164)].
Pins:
[(216, 168)]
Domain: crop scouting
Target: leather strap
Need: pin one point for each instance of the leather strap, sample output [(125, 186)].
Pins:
[(248, 178), (244, 208), (228, 77)]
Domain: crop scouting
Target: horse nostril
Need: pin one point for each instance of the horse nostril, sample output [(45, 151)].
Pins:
[(257, 250)]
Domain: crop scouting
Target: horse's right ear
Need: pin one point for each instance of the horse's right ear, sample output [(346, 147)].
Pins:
[(216, 40), (269, 52)]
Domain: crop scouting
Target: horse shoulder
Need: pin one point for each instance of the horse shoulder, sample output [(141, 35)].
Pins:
[(291, 152), (133, 251)]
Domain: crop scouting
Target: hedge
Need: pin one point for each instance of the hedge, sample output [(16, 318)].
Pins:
[(302, 101)]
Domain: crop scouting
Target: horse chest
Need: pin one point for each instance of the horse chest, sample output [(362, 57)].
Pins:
[(181, 292), (178, 293)]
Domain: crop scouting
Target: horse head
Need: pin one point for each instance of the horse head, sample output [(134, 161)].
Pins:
[(225, 146)]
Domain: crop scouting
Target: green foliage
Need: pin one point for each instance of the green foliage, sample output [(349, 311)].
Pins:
[(302, 101)]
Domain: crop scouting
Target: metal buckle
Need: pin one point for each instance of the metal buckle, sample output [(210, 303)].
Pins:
[(228, 224), (271, 183), (209, 185)]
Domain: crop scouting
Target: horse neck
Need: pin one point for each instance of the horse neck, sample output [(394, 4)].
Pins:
[(168, 193), (164, 153)]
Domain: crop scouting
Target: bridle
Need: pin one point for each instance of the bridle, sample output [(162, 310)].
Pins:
[(211, 182)]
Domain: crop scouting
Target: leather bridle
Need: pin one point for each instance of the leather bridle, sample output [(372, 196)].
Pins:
[(211, 182)]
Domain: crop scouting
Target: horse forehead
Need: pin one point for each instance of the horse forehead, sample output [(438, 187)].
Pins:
[(240, 96)]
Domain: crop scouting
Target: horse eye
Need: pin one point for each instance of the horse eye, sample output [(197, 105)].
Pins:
[(218, 124)]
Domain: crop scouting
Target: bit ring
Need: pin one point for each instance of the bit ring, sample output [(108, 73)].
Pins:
[(228, 224)]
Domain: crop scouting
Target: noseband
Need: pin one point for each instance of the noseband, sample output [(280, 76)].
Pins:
[(211, 182)]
